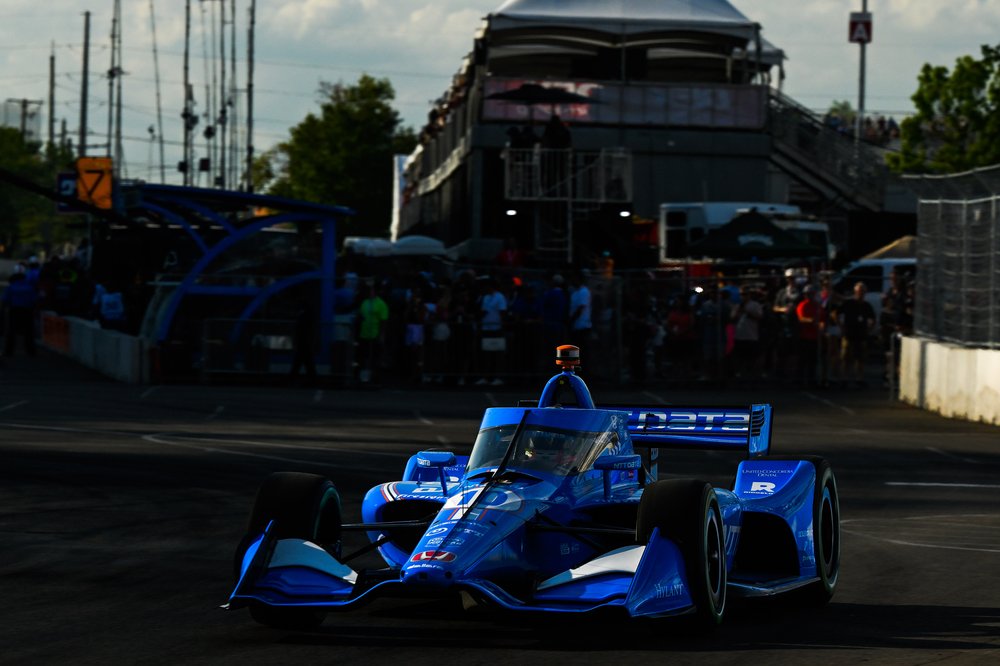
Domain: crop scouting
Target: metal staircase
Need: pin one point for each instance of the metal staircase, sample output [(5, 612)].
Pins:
[(825, 160)]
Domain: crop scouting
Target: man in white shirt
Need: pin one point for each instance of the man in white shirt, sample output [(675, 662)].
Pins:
[(492, 307)]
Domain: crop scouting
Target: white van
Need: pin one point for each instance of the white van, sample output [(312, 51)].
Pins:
[(875, 274)]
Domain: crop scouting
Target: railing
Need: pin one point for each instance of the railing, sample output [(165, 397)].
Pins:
[(855, 171), (547, 174), (268, 347)]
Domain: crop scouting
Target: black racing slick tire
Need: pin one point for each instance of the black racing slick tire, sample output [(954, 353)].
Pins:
[(687, 512), (302, 506), (826, 533)]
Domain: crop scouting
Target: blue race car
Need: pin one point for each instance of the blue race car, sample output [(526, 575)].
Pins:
[(553, 511)]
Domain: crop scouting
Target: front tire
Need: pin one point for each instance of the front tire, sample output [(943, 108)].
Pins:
[(826, 534), (302, 506), (687, 512), (825, 530)]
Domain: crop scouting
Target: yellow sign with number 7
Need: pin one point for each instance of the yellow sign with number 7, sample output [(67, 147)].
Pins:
[(94, 177)]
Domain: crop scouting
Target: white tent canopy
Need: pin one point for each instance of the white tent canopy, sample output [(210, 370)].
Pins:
[(627, 16)]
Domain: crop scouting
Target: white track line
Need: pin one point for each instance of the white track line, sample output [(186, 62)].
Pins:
[(829, 403), (443, 440), (13, 405), (148, 392), (272, 445), (653, 396), (915, 484), (25, 426), (218, 410), (420, 417), (156, 439), (900, 542), (951, 455), (493, 400)]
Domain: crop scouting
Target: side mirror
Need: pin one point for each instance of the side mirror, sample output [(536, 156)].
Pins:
[(608, 464), (439, 459), (435, 459)]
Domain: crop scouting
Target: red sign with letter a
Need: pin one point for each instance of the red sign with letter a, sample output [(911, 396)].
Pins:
[(860, 30)]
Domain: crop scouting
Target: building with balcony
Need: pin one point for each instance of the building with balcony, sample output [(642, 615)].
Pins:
[(663, 100)]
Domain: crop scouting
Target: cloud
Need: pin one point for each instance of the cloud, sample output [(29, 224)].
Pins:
[(420, 44)]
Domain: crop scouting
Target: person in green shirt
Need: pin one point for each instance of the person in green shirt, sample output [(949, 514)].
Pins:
[(372, 314)]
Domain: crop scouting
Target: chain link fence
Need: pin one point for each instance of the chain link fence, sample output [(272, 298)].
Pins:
[(657, 327), (958, 257)]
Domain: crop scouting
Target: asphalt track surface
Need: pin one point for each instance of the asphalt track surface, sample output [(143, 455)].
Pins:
[(120, 507)]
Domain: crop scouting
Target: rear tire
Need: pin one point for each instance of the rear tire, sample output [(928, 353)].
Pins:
[(302, 506), (687, 512)]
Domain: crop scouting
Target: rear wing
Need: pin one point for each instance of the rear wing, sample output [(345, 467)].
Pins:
[(719, 428)]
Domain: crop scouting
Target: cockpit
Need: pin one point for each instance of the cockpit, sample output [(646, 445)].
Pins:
[(547, 442)]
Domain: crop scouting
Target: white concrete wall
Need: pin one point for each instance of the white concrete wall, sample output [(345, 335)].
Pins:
[(955, 381), (119, 356)]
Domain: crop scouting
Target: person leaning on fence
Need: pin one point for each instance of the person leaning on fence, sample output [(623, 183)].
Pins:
[(555, 305), (893, 307), (372, 315), (809, 314), (785, 303), (747, 314), (17, 306), (493, 343), (831, 366), (439, 325), (681, 339), (857, 320), (415, 317)]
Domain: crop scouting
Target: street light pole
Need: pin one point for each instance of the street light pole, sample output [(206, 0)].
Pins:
[(859, 121)]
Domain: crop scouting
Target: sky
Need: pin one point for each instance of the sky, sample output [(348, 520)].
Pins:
[(418, 45)]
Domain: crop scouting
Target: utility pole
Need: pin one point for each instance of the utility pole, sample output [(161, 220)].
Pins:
[(186, 115), (159, 105), (861, 79), (26, 113), (250, 29), (111, 88), (82, 147), (52, 100), (221, 178), (234, 124), (119, 163), (860, 32)]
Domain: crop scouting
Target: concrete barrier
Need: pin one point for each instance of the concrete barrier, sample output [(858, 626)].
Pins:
[(955, 381), (119, 356)]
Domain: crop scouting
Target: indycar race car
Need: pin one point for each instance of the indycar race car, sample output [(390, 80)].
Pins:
[(553, 511)]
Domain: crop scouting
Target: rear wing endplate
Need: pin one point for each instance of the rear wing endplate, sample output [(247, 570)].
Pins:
[(719, 428)]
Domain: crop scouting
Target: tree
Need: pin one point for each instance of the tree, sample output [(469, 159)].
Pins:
[(957, 123), (343, 154), (844, 112), (25, 217)]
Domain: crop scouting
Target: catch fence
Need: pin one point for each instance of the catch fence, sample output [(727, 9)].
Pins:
[(958, 258)]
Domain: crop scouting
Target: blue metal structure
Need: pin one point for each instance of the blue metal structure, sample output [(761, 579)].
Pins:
[(235, 216)]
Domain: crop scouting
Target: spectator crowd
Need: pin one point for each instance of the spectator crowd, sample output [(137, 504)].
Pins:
[(489, 329)]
